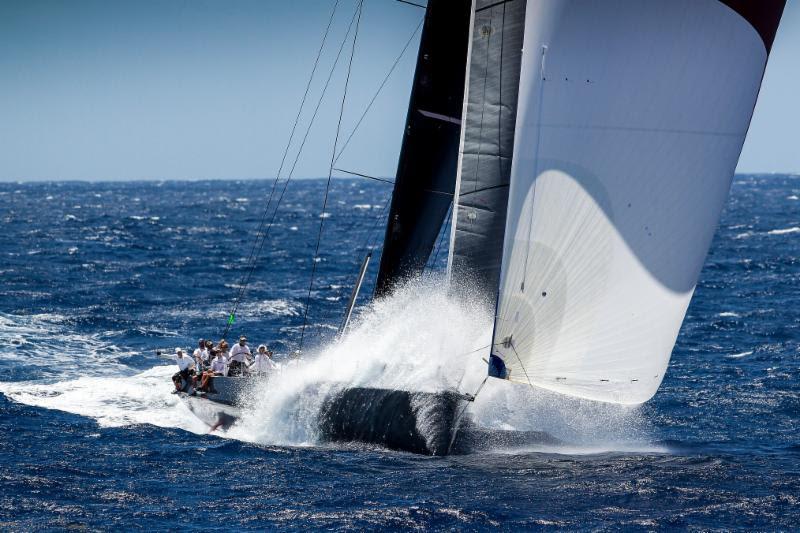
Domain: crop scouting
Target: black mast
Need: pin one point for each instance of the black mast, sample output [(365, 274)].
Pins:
[(426, 171)]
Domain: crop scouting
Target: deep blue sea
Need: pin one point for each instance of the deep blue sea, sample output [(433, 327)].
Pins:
[(97, 276)]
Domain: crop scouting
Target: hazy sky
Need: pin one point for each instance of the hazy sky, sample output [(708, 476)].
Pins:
[(191, 89)]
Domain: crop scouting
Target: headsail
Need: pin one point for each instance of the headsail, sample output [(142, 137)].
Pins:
[(487, 142), (631, 119), (426, 171)]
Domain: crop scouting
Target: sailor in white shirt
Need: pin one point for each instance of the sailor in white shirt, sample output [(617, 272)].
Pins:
[(237, 356), (218, 364), (263, 363), (218, 367), (201, 354), (182, 379)]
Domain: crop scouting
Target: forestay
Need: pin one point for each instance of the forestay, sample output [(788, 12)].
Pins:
[(631, 119)]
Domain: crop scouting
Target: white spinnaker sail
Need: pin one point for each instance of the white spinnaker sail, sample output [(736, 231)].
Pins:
[(632, 115)]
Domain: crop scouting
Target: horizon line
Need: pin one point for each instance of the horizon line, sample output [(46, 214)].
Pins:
[(305, 178)]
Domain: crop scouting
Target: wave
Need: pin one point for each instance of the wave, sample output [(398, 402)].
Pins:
[(123, 400), (46, 344), (784, 231)]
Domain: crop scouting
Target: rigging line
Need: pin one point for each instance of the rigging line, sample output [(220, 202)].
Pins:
[(291, 173), (330, 175), (251, 257), (441, 237), (520, 363), (457, 419), (370, 234), (411, 3), (542, 81), (380, 88), (390, 182)]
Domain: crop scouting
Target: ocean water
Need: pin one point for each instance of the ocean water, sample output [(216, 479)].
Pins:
[(97, 277)]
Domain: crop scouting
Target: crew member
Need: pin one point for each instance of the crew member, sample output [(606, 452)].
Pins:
[(237, 357), (263, 363), (217, 368), (182, 378), (201, 355)]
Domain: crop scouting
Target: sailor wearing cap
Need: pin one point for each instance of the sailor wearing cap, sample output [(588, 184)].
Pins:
[(237, 357)]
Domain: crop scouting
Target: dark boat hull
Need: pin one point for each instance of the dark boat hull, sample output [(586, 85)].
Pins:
[(417, 422), (220, 409), (214, 413)]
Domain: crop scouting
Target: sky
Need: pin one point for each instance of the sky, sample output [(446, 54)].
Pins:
[(208, 89)]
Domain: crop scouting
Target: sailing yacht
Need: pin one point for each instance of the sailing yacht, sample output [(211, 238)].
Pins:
[(588, 155), (585, 151)]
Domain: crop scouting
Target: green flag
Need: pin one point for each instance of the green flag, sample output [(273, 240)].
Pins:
[(230, 319)]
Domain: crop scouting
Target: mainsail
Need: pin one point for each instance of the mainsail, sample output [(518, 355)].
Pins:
[(426, 171), (631, 119)]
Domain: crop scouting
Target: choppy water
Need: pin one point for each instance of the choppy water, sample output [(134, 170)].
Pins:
[(96, 276)]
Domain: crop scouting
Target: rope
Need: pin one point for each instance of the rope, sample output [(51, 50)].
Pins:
[(378, 92), (445, 231), (252, 257), (330, 175), (270, 225), (457, 419), (520, 363)]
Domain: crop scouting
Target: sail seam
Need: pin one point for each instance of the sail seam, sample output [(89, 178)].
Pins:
[(647, 130), (490, 6)]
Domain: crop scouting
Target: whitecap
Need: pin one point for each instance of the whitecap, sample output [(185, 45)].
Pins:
[(739, 355), (784, 231), (729, 314)]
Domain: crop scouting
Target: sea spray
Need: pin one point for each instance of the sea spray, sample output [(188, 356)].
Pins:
[(417, 339)]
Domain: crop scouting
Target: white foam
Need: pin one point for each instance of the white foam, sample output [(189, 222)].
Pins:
[(418, 339), (784, 231), (739, 355), (729, 314), (143, 398)]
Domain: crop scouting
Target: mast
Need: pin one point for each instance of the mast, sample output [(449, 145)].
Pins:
[(631, 120), (426, 170)]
